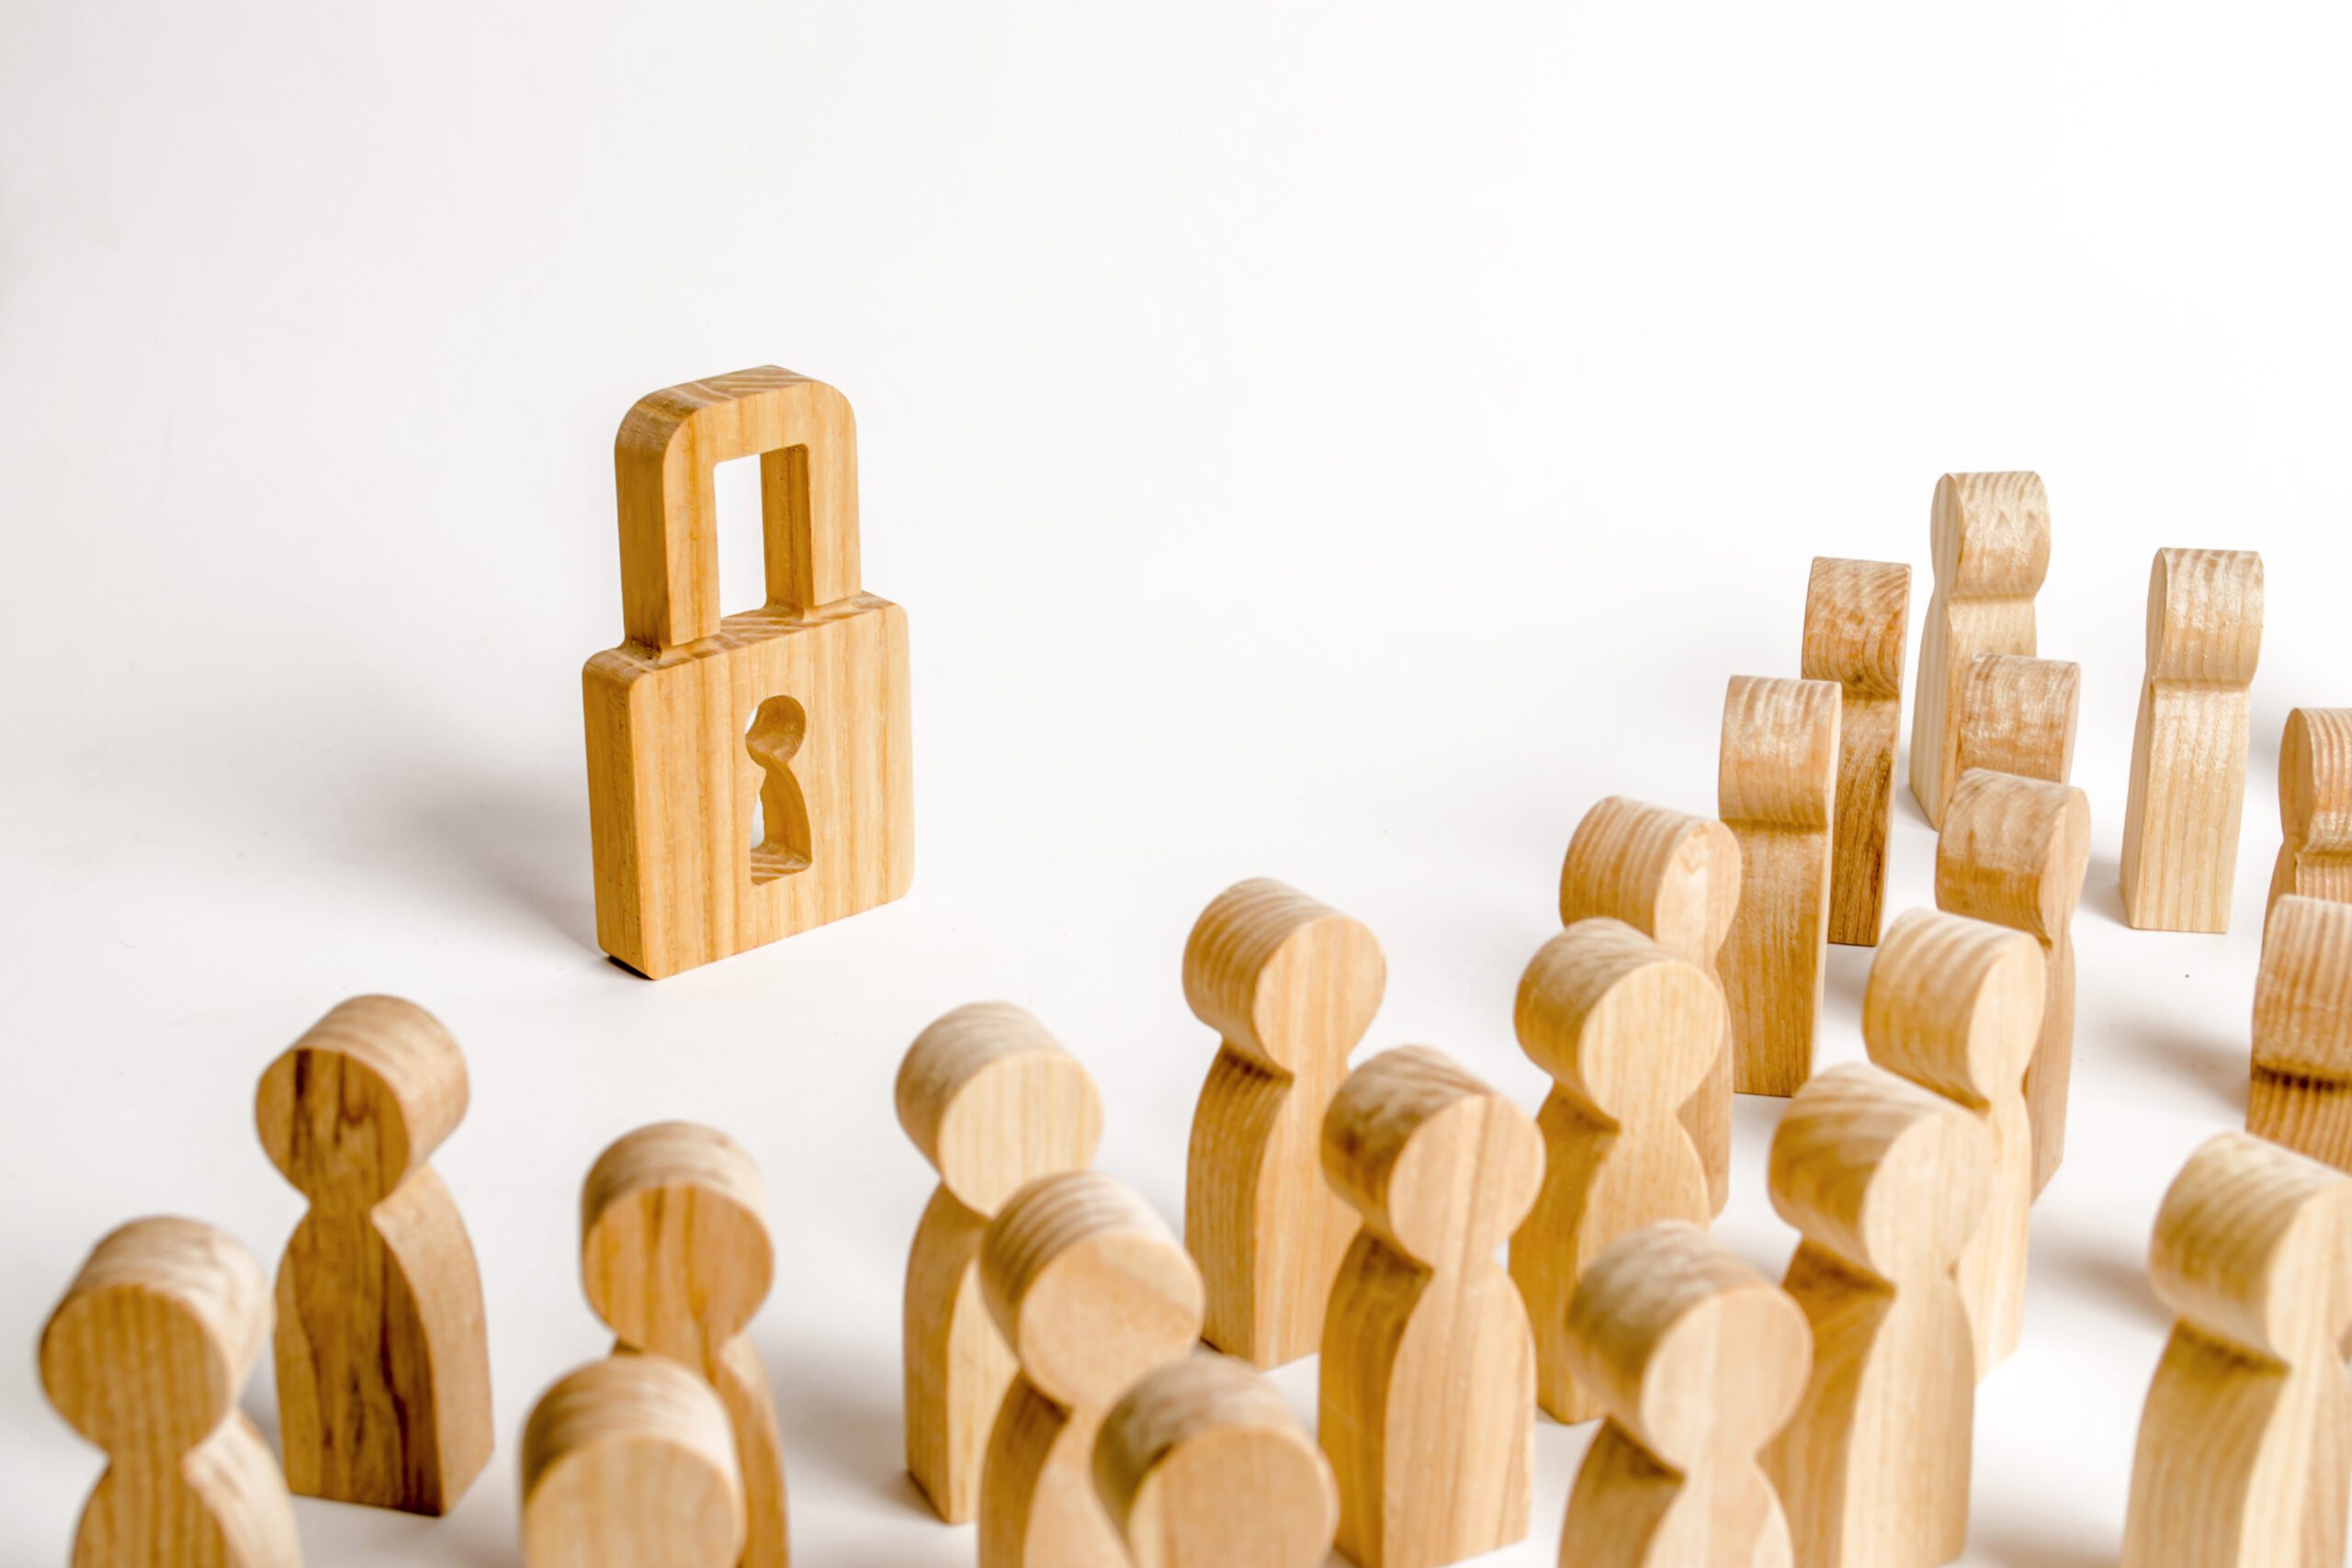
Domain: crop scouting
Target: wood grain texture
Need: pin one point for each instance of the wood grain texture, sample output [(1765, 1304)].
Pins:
[(676, 1255), (1990, 536), (1699, 1361), (994, 1102), (1093, 1291), (2245, 1457), (1887, 1182), (1202, 1465), (144, 1356), (794, 716), (1625, 1030), (382, 1351), (2180, 823), (2314, 806), (1776, 788), (1289, 985), (2302, 1092), (2018, 716), (1428, 1378), (1856, 616), (629, 1464)]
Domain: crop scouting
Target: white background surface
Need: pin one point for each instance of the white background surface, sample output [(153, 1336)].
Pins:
[(1331, 442)]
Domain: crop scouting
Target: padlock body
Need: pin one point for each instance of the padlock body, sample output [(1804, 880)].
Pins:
[(673, 789)]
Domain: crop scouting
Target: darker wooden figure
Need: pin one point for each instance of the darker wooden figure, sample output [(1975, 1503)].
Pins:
[(1856, 615), (2017, 715), (2315, 806)]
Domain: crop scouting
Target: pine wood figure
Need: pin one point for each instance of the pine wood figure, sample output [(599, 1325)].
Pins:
[(676, 1259), (2302, 1093), (1955, 1006), (2014, 852), (2180, 823), (1857, 614), (1202, 1465), (1291, 985), (629, 1464), (145, 1358), (1699, 1361), (1675, 878), (1990, 536), (1624, 1028), (993, 1103), (2245, 1457), (383, 1354), (1778, 789), (2017, 715), (1427, 1385), (1887, 1182), (1093, 1291), (2315, 806)]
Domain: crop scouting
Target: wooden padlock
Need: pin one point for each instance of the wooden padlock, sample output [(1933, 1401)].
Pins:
[(748, 777)]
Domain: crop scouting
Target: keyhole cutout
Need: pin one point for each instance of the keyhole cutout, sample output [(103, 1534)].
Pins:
[(782, 847)]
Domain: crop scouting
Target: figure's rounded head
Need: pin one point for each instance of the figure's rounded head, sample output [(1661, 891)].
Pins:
[(1618, 1020), (2254, 1244), (631, 1461), (1955, 1004), (1673, 876), (2205, 616), (1886, 1175), (1440, 1165), (673, 1239), (360, 1100), (994, 1102), (2013, 850), (2315, 778), (1283, 977)]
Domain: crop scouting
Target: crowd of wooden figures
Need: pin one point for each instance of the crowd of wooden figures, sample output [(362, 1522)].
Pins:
[(1055, 1385)]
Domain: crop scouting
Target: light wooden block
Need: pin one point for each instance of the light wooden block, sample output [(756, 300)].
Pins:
[(2017, 715), (2315, 806), (1856, 615), (629, 1464), (2302, 1090), (1990, 535)]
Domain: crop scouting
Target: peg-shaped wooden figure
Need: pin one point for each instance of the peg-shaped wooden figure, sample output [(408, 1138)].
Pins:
[(1778, 791), (2017, 715), (2181, 822), (1291, 985), (629, 1464), (1093, 1291), (1202, 1465), (383, 1357), (1428, 1390), (2245, 1458), (1887, 1182), (675, 1254), (993, 1103), (2315, 806), (1856, 615), (1675, 878), (1626, 1029), (1990, 536), (1700, 1360), (144, 1356), (2302, 1092)]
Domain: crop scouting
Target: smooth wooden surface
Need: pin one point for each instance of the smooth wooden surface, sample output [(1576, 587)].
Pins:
[(2245, 1457), (1289, 985), (1675, 878), (2302, 1090), (1990, 536), (1699, 1361), (1777, 787), (1625, 1030), (994, 1102), (629, 1463), (144, 1356), (1202, 1465), (794, 716), (2018, 716), (2187, 797), (1856, 616), (382, 1352), (1885, 1181), (2314, 806), (1428, 1379)]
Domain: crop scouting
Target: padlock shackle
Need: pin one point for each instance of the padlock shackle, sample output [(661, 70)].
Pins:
[(806, 438)]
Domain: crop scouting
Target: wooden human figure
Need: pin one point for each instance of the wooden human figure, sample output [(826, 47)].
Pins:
[(1990, 535), (2181, 822), (1887, 1182), (629, 1464), (1093, 1291), (1427, 1387), (676, 1259), (2014, 852), (1291, 985), (1203, 1465), (383, 1356), (993, 1103), (1675, 878), (2302, 1092), (1700, 1360), (1955, 1006), (2017, 715), (1777, 789), (1626, 1029), (2315, 806), (144, 1356), (2245, 1457), (1857, 614)]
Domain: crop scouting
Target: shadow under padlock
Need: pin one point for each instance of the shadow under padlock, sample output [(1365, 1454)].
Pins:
[(793, 717)]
